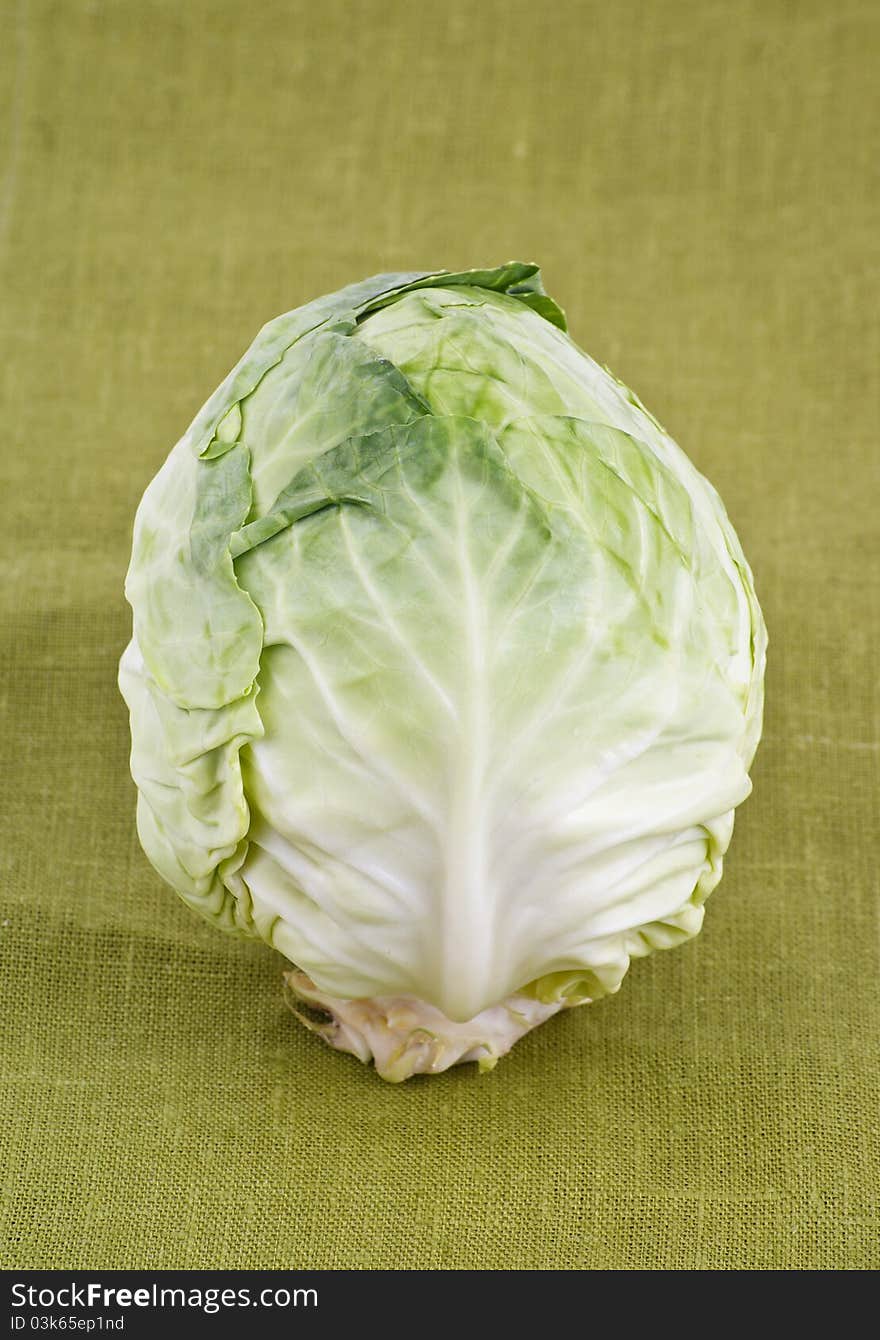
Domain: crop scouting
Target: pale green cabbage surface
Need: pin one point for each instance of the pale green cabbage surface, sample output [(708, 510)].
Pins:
[(446, 671)]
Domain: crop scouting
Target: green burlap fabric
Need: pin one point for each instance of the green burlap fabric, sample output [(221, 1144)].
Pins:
[(699, 182)]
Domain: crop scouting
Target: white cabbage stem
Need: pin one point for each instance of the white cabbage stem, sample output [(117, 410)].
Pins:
[(404, 1036)]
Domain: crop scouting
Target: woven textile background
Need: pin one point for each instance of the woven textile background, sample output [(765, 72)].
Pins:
[(699, 182)]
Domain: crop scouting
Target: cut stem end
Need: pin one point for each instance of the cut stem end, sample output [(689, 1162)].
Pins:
[(404, 1036)]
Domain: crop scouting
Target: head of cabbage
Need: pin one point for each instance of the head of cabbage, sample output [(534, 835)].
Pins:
[(446, 670)]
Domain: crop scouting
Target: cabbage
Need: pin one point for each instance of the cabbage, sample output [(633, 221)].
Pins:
[(446, 669)]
